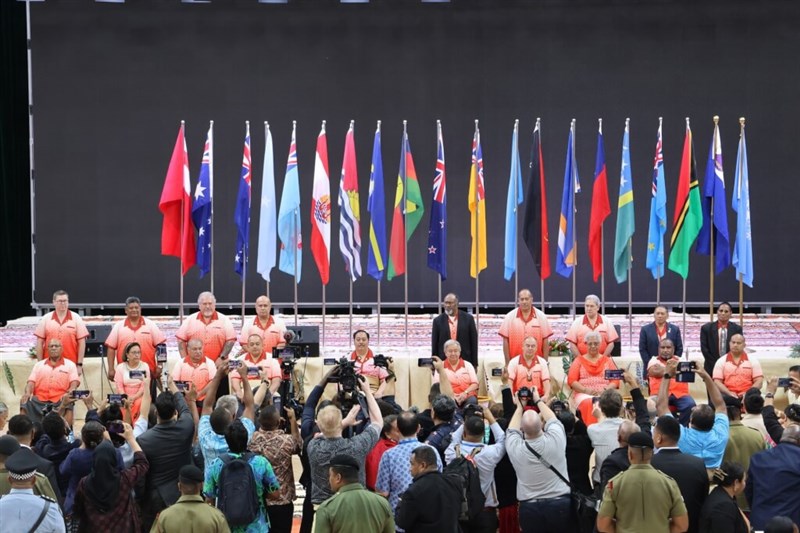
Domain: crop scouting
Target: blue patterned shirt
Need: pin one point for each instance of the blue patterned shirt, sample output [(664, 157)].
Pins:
[(213, 445), (394, 476), (265, 482)]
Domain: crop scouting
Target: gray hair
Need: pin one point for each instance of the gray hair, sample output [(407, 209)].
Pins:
[(593, 298), (3, 408), (593, 335), (229, 402), (451, 342), (204, 294)]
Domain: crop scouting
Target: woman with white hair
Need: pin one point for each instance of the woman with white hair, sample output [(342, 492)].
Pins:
[(587, 377), (592, 320), (460, 373)]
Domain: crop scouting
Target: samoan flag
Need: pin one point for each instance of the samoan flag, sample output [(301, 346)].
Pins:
[(202, 208), (241, 216), (437, 230)]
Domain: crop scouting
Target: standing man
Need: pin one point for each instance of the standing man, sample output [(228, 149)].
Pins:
[(679, 396), (21, 509), (651, 335), (773, 480), (457, 325), (433, 502), (353, 509), (65, 326), (527, 370), (642, 498), (212, 328), (715, 336), (190, 512), (592, 321), (735, 373), (525, 321), (135, 328), (268, 327), (50, 384)]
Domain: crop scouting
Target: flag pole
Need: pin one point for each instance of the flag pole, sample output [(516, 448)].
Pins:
[(711, 228), (541, 281), (659, 268), (183, 200), (211, 193), (295, 218), (602, 251), (350, 341), (741, 278), (574, 238), (405, 231), (477, 233), (246, 244), (378, 280), (516, 223), (323, 315), (439, 302), (684, 312), (630, 295)]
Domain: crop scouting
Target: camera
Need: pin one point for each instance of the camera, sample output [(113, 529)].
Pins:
[(183, 386), (288, 359), (685, 372), (557, 406), (497, 372), (785, 382), (137, 374), (116, 399), (425, 361), (472, 410), (253, 372), (614, 373), (234, 363), (79, 394), (381, 361), (525, 396)]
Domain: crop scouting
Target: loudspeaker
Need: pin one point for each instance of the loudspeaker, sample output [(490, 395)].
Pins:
[(307, 339), (98, 333)]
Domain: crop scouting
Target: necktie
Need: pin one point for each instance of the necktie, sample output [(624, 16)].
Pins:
[(723, 338)]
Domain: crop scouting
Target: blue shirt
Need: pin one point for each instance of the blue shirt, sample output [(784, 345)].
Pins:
[(214, 445), (707, 445), (265, 482), (394, 476), (20, 509)]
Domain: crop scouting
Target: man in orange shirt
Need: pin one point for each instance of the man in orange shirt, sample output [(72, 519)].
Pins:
[(67, 327), (196, 368), (135, 328), (735, 373), (212, 328), (50, 384), (270, 328), (679, 396), (528, 370), (525, 321), (269, 370)]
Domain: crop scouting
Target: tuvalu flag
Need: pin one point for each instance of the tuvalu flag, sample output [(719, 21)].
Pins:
[(688, 217), (566, 258), (715, 211), (203, 205), (376, 206), (289, 227), (349, 210), (657, 226), (534, 224), (437, 228), (321, 209), (408, 214), (626, 221), (477, 208), (177, 235), (601, 208)]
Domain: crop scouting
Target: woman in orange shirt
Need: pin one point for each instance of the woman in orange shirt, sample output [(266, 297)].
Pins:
[(587, 377), (129, 377)]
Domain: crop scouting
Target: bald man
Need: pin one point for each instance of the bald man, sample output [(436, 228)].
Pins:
[(270, 328), (544, 497), (617, 461)]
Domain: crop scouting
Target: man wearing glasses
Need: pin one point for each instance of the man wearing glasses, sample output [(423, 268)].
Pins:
[(65, 326), (456, 325)]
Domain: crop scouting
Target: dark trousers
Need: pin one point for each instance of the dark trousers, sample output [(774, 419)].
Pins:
[(553, 515), (308, 513), (280, 518), (485, 522), (151, 506), (684, 405)]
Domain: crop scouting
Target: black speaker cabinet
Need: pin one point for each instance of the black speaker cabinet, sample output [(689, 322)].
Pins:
[(98, 333)]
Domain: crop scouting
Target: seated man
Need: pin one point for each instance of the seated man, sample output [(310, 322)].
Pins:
[(460, 373), (50, 383), (735, 372), (196, 368), (679, 396), (528, 370), (269, 370)]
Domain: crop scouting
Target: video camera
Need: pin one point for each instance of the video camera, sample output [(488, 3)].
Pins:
[(288, 359), (472, 410), (525, 396), (381, 361)]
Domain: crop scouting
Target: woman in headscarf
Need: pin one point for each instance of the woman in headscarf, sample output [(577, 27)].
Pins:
[(104, 499)]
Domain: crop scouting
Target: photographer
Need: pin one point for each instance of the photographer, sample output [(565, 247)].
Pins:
[(365, 365)]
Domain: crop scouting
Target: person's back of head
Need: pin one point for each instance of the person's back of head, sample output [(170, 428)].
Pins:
[(780, 524), (166, 406), (407, 424), (236, 437), (702, 417), (625, 430), (54, 427), (610, 403), (474, 428), (20, 426), (443, 407), (436, 391), (329, 420), (190, 480), (753, 401), (531, 424), (568, 420), (228, 402), (220, 419), (92, 434), (727, 474), (426, 455), (669, 429), (269, 418), (791, 434), (733, 407)]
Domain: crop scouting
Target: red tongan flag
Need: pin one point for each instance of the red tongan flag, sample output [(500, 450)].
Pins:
[(177, 232)]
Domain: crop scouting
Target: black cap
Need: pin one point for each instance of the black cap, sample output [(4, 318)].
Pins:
[(640, 439), (22, 464), (344, 460), (191, 474), (8, 445)]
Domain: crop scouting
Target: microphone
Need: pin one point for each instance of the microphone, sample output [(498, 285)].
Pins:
[(289, 336)]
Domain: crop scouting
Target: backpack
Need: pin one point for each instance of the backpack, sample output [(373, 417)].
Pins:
[(463, 471), (238, 497)]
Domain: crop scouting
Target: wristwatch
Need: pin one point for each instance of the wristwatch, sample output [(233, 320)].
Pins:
[(769, 395), (667, 376)]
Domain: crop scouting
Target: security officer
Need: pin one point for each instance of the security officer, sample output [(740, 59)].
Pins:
[(9, 446), (190, 512), (624, 508), (21, 510)]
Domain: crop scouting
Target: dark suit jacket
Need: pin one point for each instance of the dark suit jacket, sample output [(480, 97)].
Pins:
[(46, 468), (709, 342), (430, 505), (689, 472), (168, 447), (616, 462), (466, 335), (648, 340), (721, 514)]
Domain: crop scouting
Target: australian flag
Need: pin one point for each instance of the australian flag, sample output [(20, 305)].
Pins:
[(241, 216), (201, 211), (437, 231)]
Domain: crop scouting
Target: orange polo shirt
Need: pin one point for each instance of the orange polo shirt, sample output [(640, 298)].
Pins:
[(269, 367), (51, 382), (200, 374), (271, 334), (146, 333), (515, 328), (581, 326), (522, 374), (676, 389), (69, 332), (737, 377), (461, 376), (214, 333)]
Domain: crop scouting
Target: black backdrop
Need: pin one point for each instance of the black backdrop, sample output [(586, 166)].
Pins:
[(112, 82)]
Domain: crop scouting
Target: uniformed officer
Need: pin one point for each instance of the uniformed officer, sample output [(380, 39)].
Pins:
[(190, 512), (21, 510), (624, 508)]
